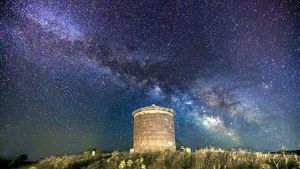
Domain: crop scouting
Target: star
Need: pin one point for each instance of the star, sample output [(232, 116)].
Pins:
[(72, 73)]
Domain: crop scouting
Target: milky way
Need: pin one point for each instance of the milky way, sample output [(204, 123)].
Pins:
[(72, 72)]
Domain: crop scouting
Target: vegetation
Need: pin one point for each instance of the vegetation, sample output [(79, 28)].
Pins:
[(209, 158), (18, 161)]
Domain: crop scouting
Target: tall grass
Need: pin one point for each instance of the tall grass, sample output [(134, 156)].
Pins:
[(206, 158)]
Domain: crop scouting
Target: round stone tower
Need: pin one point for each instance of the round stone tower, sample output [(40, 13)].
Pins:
[(153, 129)]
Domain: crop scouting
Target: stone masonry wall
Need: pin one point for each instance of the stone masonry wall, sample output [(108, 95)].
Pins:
[(154, 131)]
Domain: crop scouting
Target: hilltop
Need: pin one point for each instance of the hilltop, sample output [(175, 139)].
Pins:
[(202, 158)]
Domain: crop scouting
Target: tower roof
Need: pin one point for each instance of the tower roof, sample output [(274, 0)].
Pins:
[(153, 107)]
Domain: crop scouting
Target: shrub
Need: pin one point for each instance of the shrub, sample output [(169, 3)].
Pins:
[(200, 159)]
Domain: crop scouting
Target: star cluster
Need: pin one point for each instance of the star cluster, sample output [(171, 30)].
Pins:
[(72, 72)]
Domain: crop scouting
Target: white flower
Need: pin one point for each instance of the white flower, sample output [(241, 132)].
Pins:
[(122, 164), (129, 163)]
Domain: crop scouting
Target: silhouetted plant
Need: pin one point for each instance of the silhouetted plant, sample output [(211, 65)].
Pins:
[(18, 160)]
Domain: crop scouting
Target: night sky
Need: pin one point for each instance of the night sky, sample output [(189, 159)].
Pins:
[(72, 72)]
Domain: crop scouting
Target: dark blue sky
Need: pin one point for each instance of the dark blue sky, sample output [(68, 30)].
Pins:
[(72, 72)]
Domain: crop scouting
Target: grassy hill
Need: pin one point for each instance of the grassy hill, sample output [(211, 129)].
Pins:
[(203, 158)]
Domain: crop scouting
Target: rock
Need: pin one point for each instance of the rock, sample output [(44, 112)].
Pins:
[(188, 150)]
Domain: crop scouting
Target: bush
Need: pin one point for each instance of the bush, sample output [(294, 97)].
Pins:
[(203, 158)]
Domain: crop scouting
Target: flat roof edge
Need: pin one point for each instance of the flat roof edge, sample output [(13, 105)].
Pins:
[(153, 107)]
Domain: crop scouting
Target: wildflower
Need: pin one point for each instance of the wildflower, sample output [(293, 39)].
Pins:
[(32, 167), (122, 164), (143, 166), (129, 163), (265, 166)]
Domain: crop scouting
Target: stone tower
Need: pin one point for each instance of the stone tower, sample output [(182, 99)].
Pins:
[(153, 129)]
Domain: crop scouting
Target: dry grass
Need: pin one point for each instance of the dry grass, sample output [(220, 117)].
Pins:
[(207, 158)]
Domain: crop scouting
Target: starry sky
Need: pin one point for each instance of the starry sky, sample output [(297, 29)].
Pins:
[(72, 72)]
